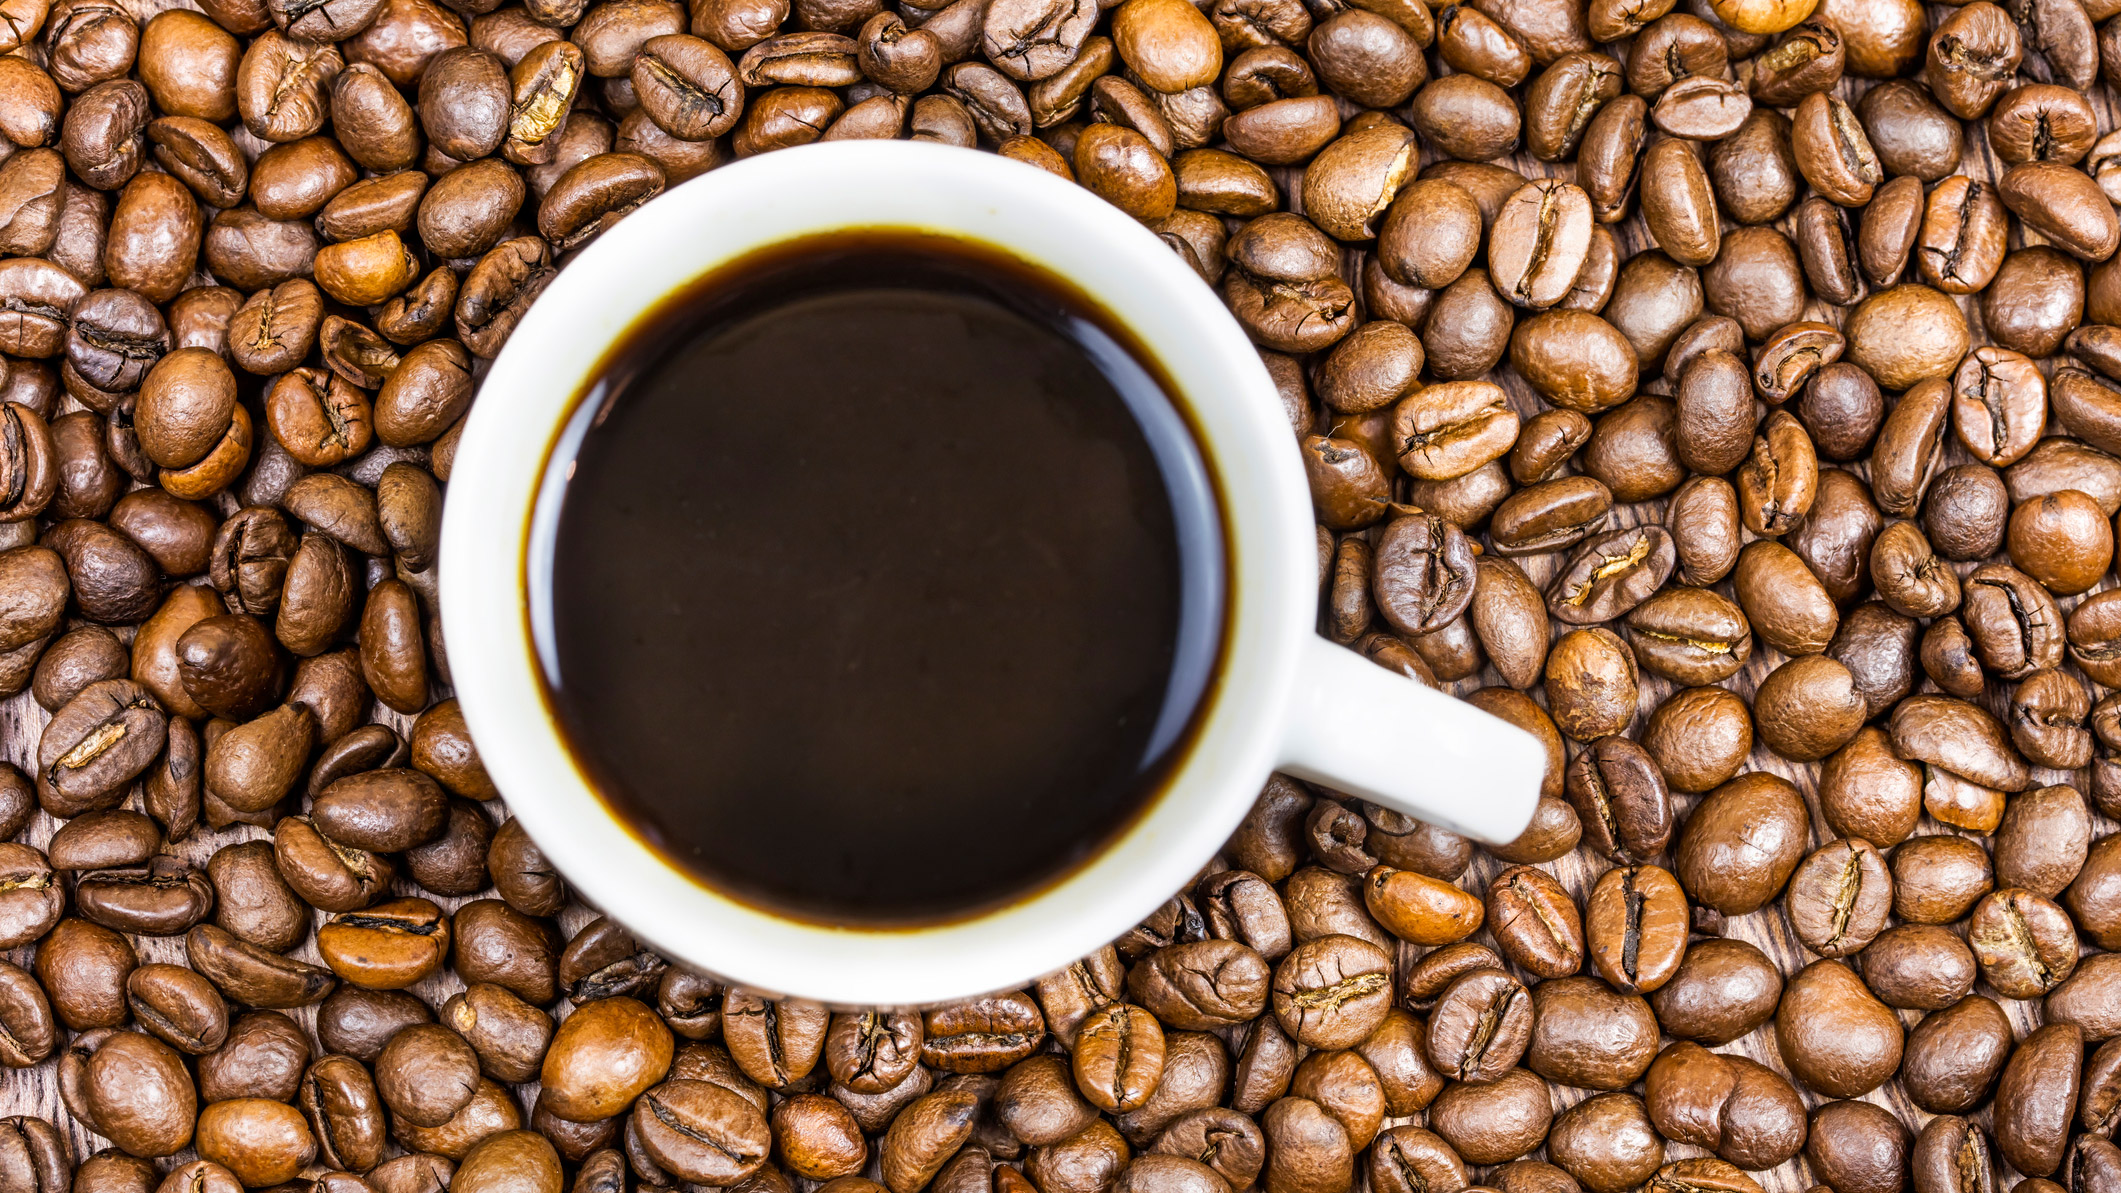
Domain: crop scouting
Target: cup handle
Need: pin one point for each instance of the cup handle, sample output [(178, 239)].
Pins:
[(1371, 732)]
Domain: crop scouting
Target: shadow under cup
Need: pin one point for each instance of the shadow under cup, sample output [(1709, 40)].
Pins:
[(877, 580)]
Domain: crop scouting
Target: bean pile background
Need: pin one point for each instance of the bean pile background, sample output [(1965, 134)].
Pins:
[(35, 1090)]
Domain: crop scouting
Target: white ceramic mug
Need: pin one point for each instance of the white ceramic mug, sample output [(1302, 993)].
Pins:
[(1286, 698)]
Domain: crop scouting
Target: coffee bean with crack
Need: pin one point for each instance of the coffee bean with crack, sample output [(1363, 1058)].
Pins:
[(96, 745), (1332, 992), (1030, 40), (776, 1042), (701, 1132), (1539, 242), (1612, 574), (980, 1035), (1201, 985), (1621, 797), (1480, 1026), (2024, 942), (1839, 897), (1636, 926), (1421, 572)]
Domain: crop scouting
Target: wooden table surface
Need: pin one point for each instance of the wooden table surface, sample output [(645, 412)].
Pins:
[(35, 1091)]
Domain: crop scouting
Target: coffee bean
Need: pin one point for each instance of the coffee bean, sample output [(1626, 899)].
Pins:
[(1535, 921), (1858, 1146), (32, 1154), (1784, 600), (1591, 683), (344, 1112), (1636, 927), (1748, 1114), (426, 1074), (142, 1097), (1919, 966), (388, 946), (603, 1056), (2035, 1096), (1741, 844), (27, 1030), (1691, 635), (1838, 898), (1835, 1036), (1584, 1034), (978, 1036), (1423, 574), (1937, 879), (1496, 1121), (1721, 990), (2022, 942), (1332, 991)]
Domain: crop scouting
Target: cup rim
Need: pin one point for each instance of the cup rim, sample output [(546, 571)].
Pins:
[(1004, 205)]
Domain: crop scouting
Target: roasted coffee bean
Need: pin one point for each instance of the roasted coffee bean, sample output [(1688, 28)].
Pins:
[(1612, 574), (1808, 708), (1721, 990), (1952, 1153), (1586, 1035), (360, 1022), (1956, 1053), (1834, 1035), (1419, 908), (163, 898), (1937, 879), (1591, 683), (1480, 1026), (83, 967), (33, 1154), (1038, 1101), (141, 1095), (264, 1057), (2022, 942), (1920, 966), (1838, 898), (1422, 982), (1446, 431), (2035, 1096), (426, 1074), (388, 946), (1620, 795), (1703, 521), (1691, 635), (1783, 600), (1698, 738), (1741, 844), (1539, 242), (1745, 1112), (2013, 621), (96, 744), (1332, 991), (1535, 921), (1119, 1057), (1857, 1145), (28, 1032), (1636, 925), (1493, 1122), (1422, 575)]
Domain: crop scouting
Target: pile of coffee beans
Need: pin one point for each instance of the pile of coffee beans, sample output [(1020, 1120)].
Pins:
[(1727, 392)]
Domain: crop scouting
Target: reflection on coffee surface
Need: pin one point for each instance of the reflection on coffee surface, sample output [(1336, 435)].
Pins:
[(876, 580)]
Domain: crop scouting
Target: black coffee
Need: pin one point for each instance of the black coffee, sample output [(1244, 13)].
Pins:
[(876, 580)]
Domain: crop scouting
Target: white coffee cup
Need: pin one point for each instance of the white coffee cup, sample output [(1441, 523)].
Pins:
[(1286, 699)]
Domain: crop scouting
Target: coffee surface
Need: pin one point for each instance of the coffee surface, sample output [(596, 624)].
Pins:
[(868, 595)]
